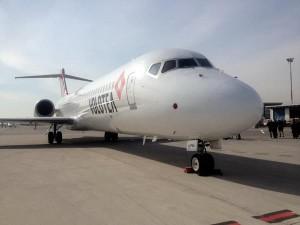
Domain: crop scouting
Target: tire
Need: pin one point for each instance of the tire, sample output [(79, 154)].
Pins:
[(58, 137), (114, 137), (203, 164), (195, 163), (50, 137), (110, 137), (107, 136), (207, 165)]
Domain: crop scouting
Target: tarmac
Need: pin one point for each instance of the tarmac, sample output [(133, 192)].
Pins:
[(87, 181)]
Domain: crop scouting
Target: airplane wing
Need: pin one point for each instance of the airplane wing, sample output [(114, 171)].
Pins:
[(57, 120)]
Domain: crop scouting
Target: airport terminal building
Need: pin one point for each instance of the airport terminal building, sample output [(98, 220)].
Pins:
[(284, 112)]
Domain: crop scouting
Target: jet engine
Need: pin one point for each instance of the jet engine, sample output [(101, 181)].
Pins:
[(44, 108)]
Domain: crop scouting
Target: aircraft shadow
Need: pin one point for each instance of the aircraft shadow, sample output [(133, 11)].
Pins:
[(82, 142), (265, 174)]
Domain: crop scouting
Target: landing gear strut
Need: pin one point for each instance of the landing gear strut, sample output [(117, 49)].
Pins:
[(202, 162), (110, 137), (55, 135)]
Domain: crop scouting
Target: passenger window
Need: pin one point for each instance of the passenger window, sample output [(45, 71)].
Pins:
[(204, 62), (186, 63), (169, 65), (154, 68)]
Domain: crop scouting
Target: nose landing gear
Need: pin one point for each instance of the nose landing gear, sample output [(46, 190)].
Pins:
[(201, 162), (55, 135)]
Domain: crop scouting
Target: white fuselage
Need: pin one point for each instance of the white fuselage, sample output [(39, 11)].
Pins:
[(182, 103)]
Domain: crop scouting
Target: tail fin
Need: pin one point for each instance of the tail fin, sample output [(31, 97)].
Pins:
[(62, 79), (63, 84)]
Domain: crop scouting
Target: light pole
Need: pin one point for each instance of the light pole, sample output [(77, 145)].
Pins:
[(290, 60)]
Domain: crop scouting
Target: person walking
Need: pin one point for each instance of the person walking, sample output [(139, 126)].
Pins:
[(298, 128), (295, 128), (270, 125), (281, 125), (274, 129)]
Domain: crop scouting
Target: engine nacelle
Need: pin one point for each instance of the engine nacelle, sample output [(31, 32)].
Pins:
[(44, 108)]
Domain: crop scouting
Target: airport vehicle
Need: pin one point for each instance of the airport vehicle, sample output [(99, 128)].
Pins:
[(171, 93), (7, 125)]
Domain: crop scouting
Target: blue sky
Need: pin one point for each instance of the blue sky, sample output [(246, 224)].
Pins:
[(248, 39)]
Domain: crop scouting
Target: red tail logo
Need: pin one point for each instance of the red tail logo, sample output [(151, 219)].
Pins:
[(119, 85), (63, 84)]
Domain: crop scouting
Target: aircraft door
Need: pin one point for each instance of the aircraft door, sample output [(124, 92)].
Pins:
[(130, 91)]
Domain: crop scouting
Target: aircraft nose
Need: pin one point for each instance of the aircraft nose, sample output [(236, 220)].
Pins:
[(223, 107), (241, 106)]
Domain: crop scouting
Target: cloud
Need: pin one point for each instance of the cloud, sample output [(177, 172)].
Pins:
[(15, 60)]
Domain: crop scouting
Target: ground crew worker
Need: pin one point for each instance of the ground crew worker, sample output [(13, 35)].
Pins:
[(281, 124), (295, 128), (274, 129), (269, 125)]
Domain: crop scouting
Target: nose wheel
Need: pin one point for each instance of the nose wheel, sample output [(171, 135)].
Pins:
[(201, 162), (55, 135)]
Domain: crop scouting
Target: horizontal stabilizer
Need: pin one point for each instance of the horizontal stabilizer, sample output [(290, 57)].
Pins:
[(55, 76), (62, 79)]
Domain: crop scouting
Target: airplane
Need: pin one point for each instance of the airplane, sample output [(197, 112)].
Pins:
[(171, 93)]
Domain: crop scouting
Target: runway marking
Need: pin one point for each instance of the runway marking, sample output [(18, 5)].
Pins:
[(278, 216), (231, 222)]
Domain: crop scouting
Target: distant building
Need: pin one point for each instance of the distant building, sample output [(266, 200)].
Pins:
[(284, 112), (267, 110)]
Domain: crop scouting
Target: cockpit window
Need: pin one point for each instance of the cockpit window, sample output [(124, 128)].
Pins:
[(186, 63), (204, 62), (169, 65), (154, 68)]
